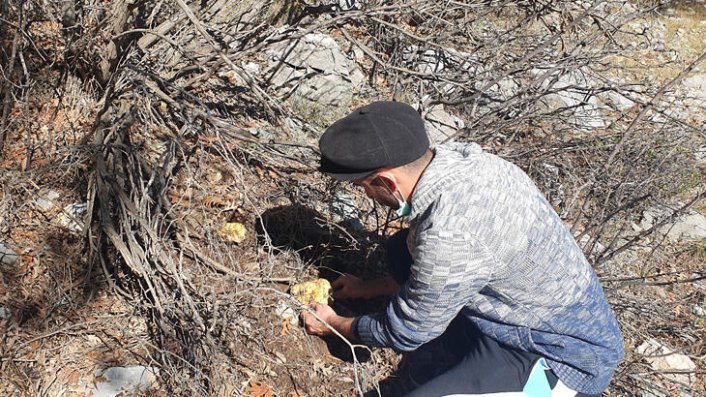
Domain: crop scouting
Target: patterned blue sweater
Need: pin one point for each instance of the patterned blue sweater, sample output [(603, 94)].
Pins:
[(487, 245)]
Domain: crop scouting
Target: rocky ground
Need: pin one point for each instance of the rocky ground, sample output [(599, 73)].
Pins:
[(160, 194)]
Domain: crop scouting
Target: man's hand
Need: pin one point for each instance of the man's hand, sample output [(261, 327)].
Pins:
[(315, 327), (348, 286)]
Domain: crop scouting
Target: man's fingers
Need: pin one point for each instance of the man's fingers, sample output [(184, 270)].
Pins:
[(342, 293), (338, 283), (312, 324)]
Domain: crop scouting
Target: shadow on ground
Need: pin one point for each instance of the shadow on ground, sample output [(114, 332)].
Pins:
[(332, 250), (329, 247)]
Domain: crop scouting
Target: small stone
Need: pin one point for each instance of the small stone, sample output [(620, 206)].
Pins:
[(293, 124), (569, 94), (286, 312), (46, 201), (115, 381), (343, 207), (4, 313), (696, 82), (71, 217), (282, 201), (7, 255), (252, 68), (357, 53), (673, 55), (698, 311), (628, 8), (598, 248), (357, 77), (700, 154)]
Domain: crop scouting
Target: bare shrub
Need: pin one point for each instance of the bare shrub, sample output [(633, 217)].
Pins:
[(171, 135)]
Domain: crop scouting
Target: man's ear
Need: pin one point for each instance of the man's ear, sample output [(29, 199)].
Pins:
[(389, 179)]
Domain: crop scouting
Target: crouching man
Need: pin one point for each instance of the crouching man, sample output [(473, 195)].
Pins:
[(485, 250)]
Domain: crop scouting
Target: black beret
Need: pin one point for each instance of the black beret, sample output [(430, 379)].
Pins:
[(379, 135)]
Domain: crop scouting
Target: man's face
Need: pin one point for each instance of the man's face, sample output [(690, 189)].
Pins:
[(377, 189)]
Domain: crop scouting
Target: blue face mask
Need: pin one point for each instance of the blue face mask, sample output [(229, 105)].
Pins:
[(403, 207)]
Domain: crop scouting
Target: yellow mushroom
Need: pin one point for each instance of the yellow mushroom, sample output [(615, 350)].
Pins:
[(308, 292)]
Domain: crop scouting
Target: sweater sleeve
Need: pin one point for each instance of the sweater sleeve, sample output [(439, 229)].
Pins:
[(449, 266)]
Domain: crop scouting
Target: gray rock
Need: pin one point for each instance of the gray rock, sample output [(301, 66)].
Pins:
[(598, 248), (441, 125), (439, 60), (313, 74), (700, 154), (46, 201), (505, 89), (4, 313), (285, 311), (7, 255), (446, 62), (694, 91), (252, 68), (571, 94), (343, 5), (690, 226), (673, 55), (357, 77), (661, 358), (125, 380), (625, 261), (659, 46), (71, 217), (460, 66), (345, 210), (616, 101), (628, 8), (614, 11), (356, 53), (696, 86)]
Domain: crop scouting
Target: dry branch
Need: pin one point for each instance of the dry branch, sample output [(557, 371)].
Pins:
[(175, 150)]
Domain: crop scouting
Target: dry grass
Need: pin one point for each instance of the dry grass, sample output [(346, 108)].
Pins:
[(682, 30), (186, 162)]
